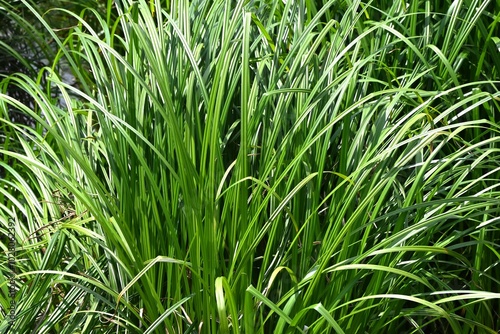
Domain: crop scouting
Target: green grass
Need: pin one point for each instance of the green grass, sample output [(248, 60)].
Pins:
[(256, 167)]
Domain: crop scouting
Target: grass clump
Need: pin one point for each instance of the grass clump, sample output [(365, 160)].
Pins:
[(257, 166)]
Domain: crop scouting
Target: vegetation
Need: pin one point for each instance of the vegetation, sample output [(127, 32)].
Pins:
[(253, 166)]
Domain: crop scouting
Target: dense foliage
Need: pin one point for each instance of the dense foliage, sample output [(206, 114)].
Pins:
[(251, 166)]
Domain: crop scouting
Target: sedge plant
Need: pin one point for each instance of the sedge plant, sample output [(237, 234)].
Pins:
[(256, 167)]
